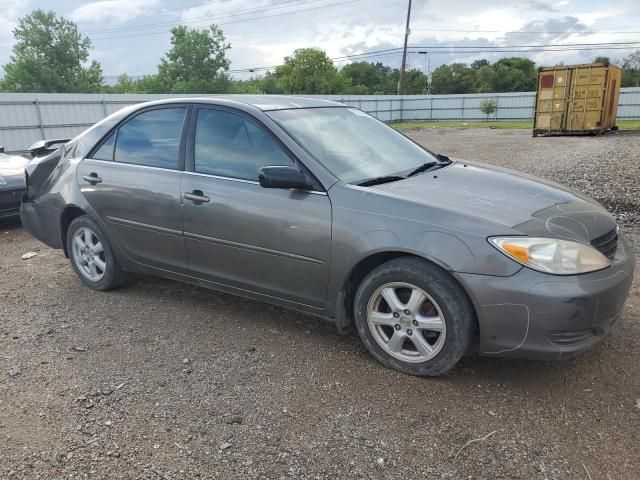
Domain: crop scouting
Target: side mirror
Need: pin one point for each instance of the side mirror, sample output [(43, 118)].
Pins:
[(284, 177)]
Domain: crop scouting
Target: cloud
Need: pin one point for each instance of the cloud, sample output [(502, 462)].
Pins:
[(11, 10), (112, 10)]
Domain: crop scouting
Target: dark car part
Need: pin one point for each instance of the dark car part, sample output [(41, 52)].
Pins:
[(284, 177)]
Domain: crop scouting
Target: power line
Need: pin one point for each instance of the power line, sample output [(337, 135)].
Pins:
[(398, 51), (522, 31), (234, 21), (235, 13), (533, 46)]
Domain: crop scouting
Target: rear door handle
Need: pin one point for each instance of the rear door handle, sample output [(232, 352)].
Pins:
[(196, 197), (92, 178)]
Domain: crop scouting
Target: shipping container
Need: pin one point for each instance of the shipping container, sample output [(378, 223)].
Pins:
[(577, 99)]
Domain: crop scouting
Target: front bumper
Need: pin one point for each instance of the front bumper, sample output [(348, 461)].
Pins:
[(538, 316)]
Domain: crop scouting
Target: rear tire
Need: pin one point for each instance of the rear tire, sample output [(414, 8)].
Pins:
[(414, 317), (91, 255)]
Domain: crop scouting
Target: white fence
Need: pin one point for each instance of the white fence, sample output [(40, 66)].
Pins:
[(28, 117)]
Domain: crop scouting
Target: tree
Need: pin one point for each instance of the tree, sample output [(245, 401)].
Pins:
[(631, 65), (601, 59), (125, 84), (452, 78), (514, 74), (310, 70), (489, 106), (415, 82), (50, 56), (363, 77), (196, 63), (483, 74)]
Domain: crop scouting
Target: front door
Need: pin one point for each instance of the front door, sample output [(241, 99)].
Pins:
[(132, 182), (270, 241)]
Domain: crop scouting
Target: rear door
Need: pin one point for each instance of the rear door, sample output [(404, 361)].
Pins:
[(271, 241), (132, 181)]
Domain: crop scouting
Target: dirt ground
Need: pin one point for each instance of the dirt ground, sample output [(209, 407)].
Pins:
[(161, 380)]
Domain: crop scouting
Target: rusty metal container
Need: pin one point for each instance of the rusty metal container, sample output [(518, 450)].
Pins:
[(577, 99)]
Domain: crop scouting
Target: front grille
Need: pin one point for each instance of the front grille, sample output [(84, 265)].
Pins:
[(607, 243)]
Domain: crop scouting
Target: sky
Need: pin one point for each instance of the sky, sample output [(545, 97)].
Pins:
[(132, 35)]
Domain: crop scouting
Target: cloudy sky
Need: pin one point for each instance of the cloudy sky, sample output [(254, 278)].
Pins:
[(131, 35)]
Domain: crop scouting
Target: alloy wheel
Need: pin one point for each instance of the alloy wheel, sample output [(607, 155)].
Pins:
[(406, 322), (88, 254)]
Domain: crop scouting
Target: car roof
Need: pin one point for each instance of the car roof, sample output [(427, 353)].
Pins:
[(261, 102)]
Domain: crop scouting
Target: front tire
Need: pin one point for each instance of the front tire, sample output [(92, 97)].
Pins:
[(91, 255), (414, 317)]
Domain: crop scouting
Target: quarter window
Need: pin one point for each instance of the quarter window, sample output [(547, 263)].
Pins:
[(151, 138), (105, 152), (230, 145)]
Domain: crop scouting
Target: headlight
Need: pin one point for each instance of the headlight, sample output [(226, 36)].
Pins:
[(549, 255)]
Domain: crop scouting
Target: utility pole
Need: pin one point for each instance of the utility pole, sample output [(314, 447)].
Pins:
[(404, 53)]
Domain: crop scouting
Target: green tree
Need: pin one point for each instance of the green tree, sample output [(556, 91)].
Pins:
[(631, 65), (365, 78), (196, 63), (125, 84), (483, 74), (452, 78), (514, 74), (601, 59), (309, 71), (415, 82), (489, 106), (50, 56)]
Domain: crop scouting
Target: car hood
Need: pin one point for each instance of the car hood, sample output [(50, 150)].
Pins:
[(12, 172), (522, 203)]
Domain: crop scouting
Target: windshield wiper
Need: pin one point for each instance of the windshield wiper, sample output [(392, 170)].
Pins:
[(429, 165), (380, 180), (423, 168)]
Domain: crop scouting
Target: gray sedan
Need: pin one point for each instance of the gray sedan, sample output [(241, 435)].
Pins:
[(317, 206)]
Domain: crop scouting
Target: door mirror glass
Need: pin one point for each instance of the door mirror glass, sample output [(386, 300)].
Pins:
[(284, 177)]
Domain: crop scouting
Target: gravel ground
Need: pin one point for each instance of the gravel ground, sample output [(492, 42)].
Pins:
[(161, 380)]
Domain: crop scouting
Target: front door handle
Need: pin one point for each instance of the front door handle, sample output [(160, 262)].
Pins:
[(92, 178), (197, 197)]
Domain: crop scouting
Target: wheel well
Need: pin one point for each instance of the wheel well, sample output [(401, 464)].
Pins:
[(361, 270), (68, 215)]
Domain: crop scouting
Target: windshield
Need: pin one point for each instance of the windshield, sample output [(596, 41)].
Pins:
[(351, 144)]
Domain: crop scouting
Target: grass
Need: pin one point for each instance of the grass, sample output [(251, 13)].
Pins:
[(503, 124)]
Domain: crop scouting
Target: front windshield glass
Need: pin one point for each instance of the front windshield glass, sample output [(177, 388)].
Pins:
[(351, 144)]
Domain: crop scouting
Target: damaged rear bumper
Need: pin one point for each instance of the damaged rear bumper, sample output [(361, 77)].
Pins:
[(544, 317)]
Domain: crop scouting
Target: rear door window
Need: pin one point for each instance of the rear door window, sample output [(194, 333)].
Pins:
[(151, 138), (230, 145)]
